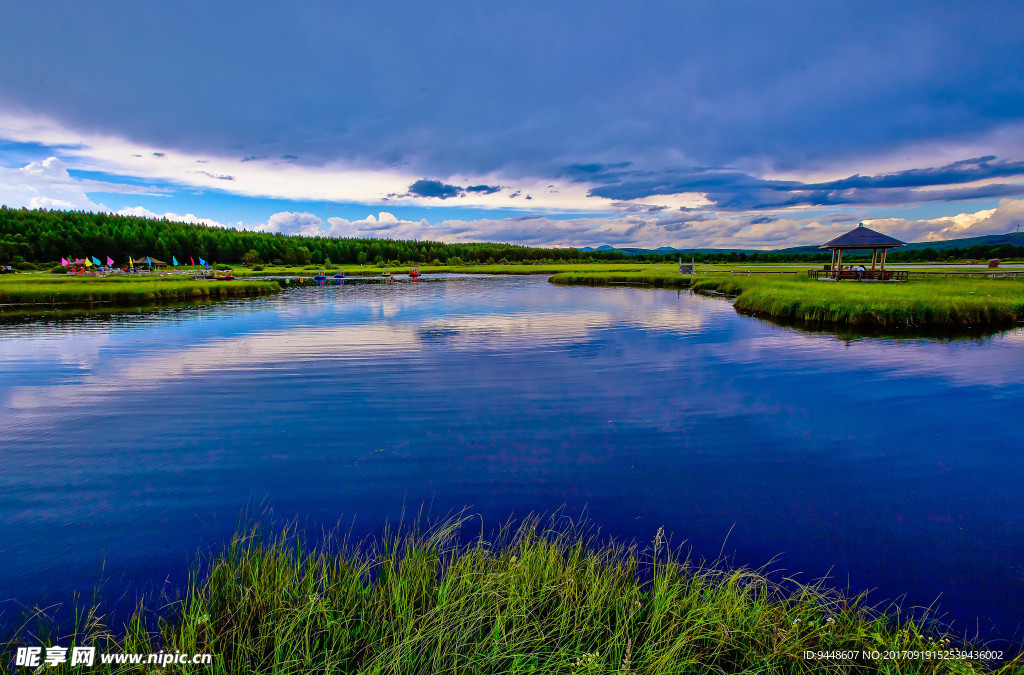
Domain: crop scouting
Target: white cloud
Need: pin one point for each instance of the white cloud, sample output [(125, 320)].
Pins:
[(48, 185), (646, 232), (1000, 220), (287, 222), (142, 212), (44, 185)]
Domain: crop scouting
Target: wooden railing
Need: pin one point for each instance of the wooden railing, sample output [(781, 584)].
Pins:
[(869, 275), (979, 274), (748, 272)]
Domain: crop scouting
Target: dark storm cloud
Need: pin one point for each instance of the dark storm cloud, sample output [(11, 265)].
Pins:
[(963, 171), (602, 87), (440, 190), (593, 173), (738, 191), (434, 188), (483, 189), (763, 220)]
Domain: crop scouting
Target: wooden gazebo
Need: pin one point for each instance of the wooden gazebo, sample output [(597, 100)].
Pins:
[(862, 237)]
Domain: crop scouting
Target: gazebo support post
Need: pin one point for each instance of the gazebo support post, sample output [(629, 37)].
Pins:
[(874, 257), (884, 251), (839, 264)]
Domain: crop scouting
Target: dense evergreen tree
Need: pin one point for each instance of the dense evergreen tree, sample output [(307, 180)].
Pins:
[(47, 236)]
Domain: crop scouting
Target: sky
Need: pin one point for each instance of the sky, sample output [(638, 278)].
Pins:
[(682, 124)]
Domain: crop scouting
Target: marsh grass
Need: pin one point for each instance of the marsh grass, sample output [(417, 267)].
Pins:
[(535, 599), (122, 290), (918, 303), (915, 303), (662, 276)]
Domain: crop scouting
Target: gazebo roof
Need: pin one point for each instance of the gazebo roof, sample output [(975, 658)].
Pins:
[(863, 237)]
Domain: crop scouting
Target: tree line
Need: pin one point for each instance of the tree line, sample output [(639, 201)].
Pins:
[(29, 237), (41, 236)]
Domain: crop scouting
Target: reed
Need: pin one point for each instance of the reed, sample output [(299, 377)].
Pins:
[(536, 599)]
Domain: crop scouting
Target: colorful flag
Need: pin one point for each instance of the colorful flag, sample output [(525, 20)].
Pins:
[(148, 261), (110, 261), (96, 261), (88, 263), (191, 261), (131, 263), (202, 262), (64, 262), (174, 261)]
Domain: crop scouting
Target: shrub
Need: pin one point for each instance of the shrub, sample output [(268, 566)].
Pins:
[(250, 257), (257, 268)]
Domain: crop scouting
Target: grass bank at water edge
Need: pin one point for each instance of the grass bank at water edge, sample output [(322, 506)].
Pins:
[(123, 290), (533, 601), (665, 276), (915, 303), (924, 303)]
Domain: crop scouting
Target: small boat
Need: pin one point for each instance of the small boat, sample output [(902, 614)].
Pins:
[(414, 273), (339, 278), (320, 279), (217, 276), (387, 276)]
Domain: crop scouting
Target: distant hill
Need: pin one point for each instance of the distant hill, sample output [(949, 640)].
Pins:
[(665, 250), (1011, 238)]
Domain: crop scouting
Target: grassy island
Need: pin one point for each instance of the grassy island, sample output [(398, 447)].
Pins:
[(122, 290), (533, 601), (915, 303)]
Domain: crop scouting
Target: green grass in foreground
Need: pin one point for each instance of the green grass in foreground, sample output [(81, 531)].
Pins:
[(919, 303), (54, 290), (534, 601)]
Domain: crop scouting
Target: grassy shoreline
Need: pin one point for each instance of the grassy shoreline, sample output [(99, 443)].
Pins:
[(44, 290), (916, 303), (535, 600)]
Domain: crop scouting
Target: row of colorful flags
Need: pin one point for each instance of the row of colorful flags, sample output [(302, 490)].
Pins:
[(93, 260)]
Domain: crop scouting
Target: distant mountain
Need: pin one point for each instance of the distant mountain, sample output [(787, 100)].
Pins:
[(1012, 238)]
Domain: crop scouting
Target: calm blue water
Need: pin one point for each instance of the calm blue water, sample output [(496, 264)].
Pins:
[(131, 443)]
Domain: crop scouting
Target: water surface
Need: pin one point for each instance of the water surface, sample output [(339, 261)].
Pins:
[(132, 441)]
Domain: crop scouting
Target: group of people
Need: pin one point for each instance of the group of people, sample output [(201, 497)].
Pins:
[(857, 270)]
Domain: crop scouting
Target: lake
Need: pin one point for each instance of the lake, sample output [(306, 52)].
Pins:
[(132, 442)]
